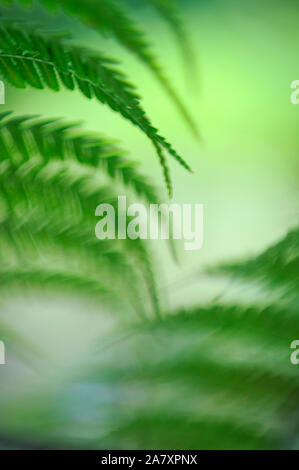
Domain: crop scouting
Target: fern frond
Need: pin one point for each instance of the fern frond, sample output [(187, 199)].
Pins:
[(217, 367), (29, 58), (215, 377), (104, 274), (41, 227), (57, 138), (276, 267), (110, 18), (32, 275), (206, 370), (42, 165)]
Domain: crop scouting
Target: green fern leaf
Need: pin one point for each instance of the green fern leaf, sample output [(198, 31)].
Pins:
[(92, 74), (43, 164), (109, 18), (53, 138), (277, 267)]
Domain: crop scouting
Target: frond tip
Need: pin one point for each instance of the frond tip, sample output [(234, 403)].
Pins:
[(56, 138)]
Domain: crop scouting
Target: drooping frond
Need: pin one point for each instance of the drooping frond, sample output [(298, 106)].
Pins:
[(209, 369), (45, 244), (55, 138), (110, 18), (50, 188), (30, 58), (215, 377)]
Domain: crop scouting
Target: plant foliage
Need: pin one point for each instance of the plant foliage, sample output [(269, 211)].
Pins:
[(52, 179), (29, 58), (211, 376), (111, 19)]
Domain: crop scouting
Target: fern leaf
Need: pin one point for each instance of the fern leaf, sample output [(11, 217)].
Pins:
[(217, 377), (219, 367), (277, 267), (91, 74), (44, 163), (214, 377), (37, 229), (109, 18)]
